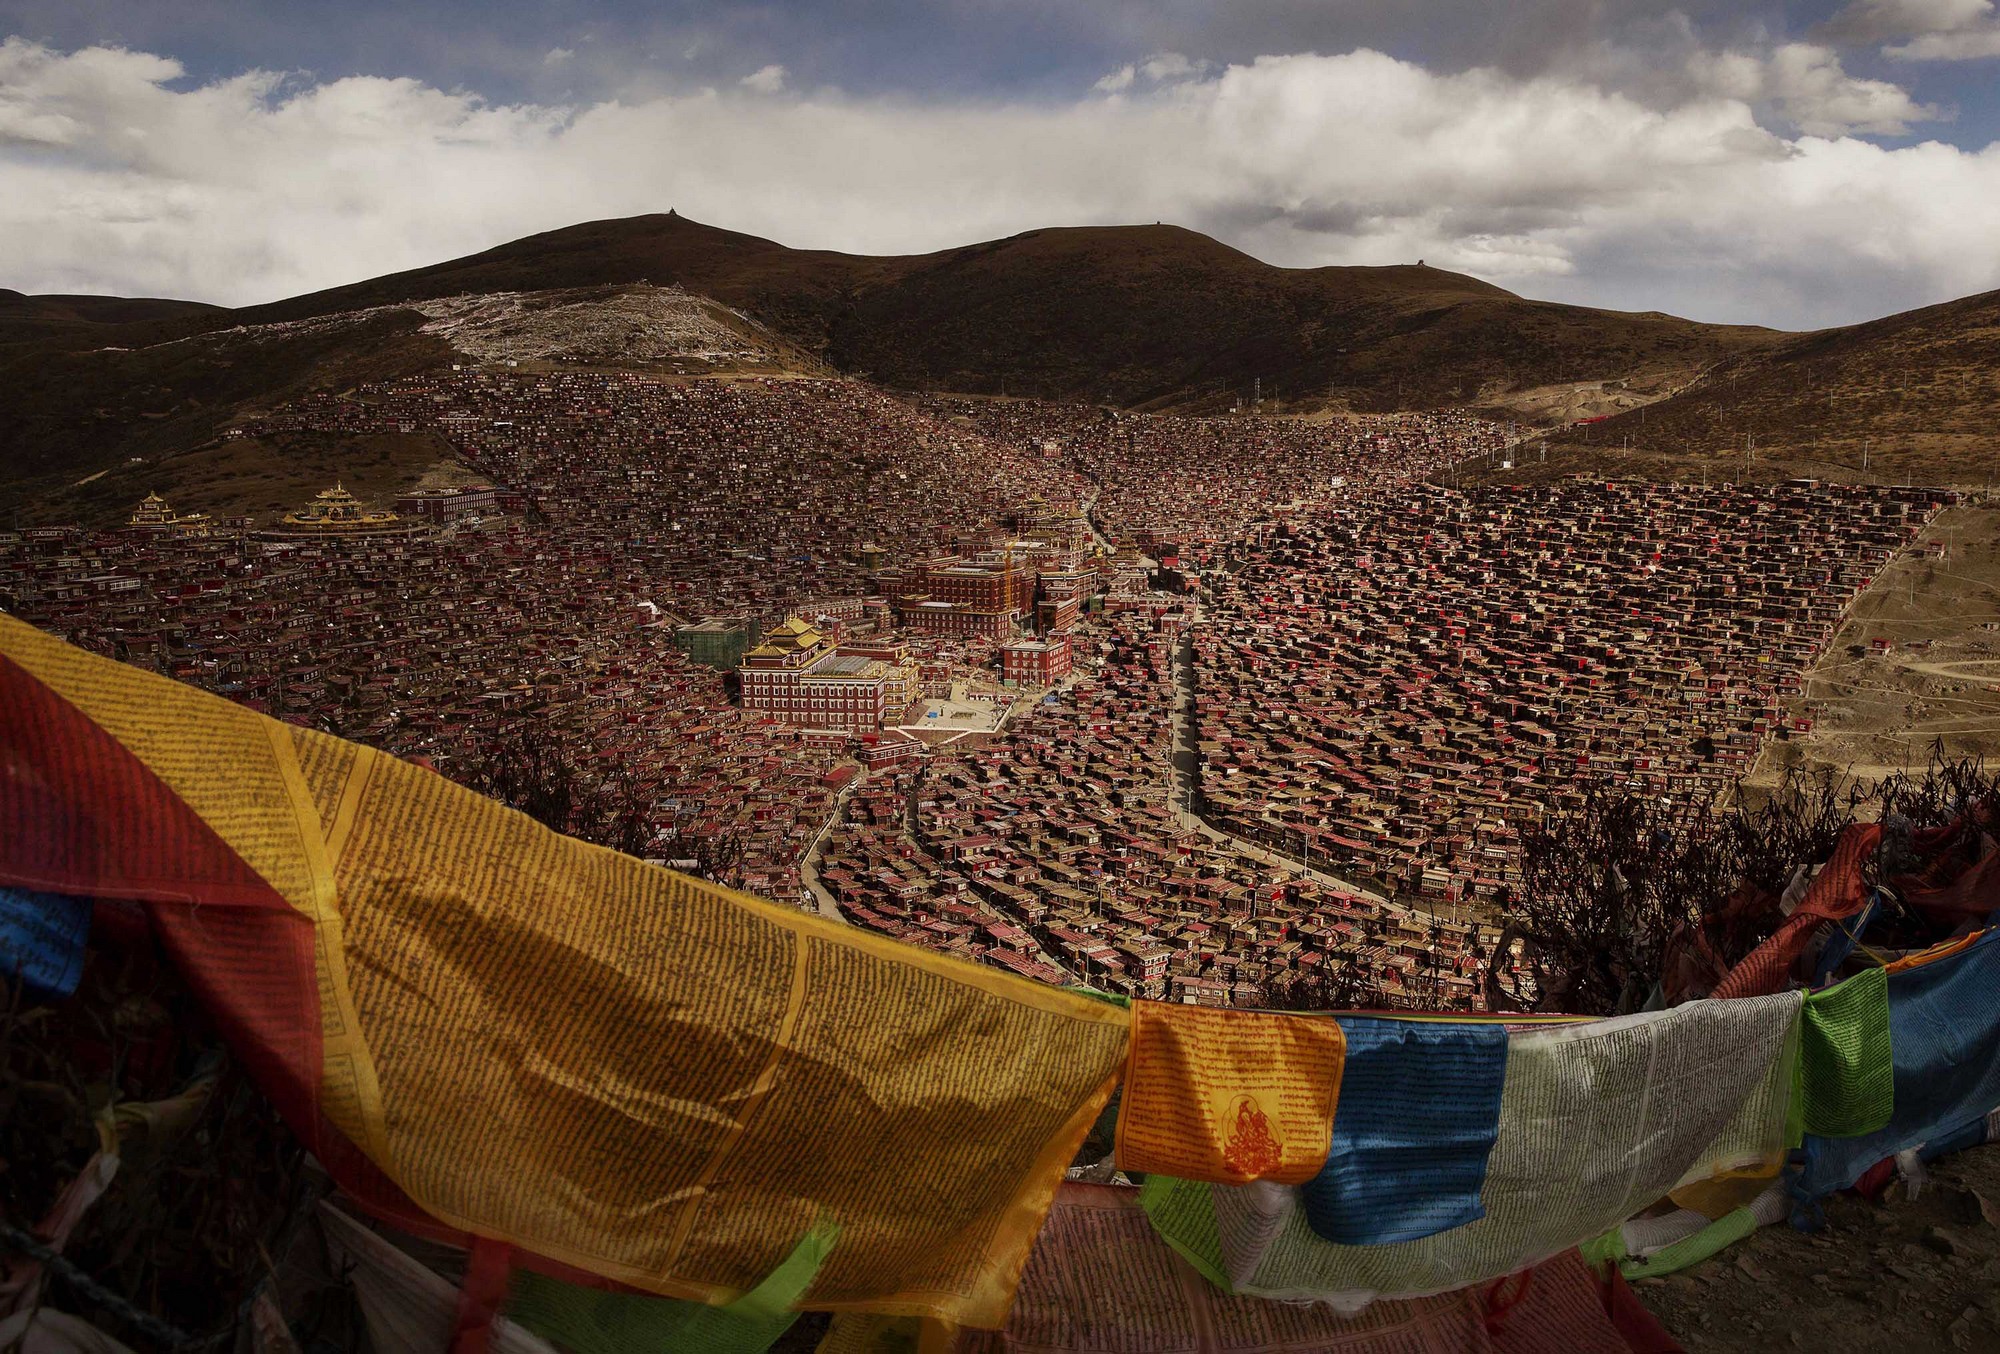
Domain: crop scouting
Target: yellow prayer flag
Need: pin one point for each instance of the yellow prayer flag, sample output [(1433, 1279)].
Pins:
[(620, 1068), (1229, 1096)]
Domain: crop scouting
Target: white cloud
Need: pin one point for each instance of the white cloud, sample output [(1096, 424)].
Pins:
[(1804, 85), (765, 80), (115, 177), (555, 56), (1158, 69), (1171, 66), (1870, 21), (1936, 30), (1812, 91), (1972, 44)]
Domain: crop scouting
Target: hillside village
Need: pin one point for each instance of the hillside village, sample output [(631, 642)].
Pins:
[(991, 606), (747, 603)]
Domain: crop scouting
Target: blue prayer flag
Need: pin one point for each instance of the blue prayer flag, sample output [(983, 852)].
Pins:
[(42, 939), (1419, 1111)]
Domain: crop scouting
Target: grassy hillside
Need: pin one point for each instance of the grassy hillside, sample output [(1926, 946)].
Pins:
[(76, 318), (68, 413), (1914, 395)]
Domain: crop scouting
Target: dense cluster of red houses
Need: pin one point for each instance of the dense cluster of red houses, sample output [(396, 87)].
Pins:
[(1399, 686), (1179, 485), (1388, 676), (1056, 851)]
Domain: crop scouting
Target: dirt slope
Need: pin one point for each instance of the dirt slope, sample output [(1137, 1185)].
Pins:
[(1916, 395), (1903, 1277)]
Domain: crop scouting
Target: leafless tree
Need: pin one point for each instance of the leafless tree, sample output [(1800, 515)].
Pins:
[(716, 856), (526, 767), (1606, 880), (1342, 983), (1613, 880)]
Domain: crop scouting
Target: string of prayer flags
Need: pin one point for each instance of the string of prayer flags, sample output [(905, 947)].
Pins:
[(1598, 1120)]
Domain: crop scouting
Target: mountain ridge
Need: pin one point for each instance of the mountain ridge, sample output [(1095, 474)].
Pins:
[(1142, 316), (1915, 394), (1150, 317)]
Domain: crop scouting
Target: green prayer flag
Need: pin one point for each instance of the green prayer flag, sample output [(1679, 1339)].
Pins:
[(592, 1321), (1726, 1230), (1607, 1248), (1181, 1213), (1847, 1072)]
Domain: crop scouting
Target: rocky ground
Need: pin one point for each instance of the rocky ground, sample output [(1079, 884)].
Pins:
[(1907, 1275), (622, 326)]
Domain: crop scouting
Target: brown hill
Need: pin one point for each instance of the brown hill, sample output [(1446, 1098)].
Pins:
[(28, 318), (69, 410), (1148, 316), (1914, 395)]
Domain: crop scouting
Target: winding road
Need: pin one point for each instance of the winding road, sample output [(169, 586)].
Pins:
[(809, 865)]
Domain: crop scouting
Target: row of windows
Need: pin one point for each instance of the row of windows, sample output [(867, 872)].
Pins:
[(817, 705)]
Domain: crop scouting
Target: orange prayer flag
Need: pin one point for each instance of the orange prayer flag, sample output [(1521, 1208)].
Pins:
[(1229, 1096)]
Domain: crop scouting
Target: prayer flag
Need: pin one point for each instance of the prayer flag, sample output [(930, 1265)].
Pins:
[(1944, 1034), (487, 1029), (1846, 1069), (1233, 1096), (42, 940), (1419, 1110), (1597, 1121)]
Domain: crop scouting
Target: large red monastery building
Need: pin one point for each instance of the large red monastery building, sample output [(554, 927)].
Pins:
[(800, 677)]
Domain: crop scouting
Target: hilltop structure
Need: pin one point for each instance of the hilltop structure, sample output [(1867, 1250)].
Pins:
[(156, 516), (336, 512)]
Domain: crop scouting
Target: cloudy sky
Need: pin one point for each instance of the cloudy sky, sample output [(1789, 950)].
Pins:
[(1787, 164)]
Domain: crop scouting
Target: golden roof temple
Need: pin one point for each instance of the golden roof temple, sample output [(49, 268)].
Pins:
[(335, 512), (790, 641), (156, 515)]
